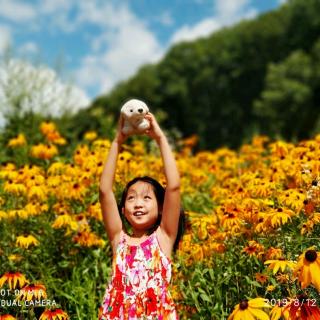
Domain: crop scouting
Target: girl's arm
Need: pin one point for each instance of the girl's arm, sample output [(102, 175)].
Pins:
[(110, 212), (171, 205)]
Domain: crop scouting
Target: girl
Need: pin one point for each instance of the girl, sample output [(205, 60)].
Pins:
[(141, 262)]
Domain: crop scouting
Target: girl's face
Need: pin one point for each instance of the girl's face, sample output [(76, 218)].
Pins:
[(141, 207)]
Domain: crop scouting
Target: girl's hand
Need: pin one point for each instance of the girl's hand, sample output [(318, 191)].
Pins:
[(120, 136), (154, 131)]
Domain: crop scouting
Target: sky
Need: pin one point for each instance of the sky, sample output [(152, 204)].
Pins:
[(96, 43)]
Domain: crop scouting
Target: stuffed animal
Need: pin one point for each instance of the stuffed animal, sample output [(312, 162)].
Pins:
[(133, 112)]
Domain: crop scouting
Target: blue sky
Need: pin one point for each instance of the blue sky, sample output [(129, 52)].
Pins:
[(96, 43)]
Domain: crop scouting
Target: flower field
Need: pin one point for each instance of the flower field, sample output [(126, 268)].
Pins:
[(250, 248)]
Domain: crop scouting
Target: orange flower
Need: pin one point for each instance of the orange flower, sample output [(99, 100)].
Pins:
[(303, 308), (57, 314), (14, 279), (262, 278), (29, 292), (7, 317), (254, 249)]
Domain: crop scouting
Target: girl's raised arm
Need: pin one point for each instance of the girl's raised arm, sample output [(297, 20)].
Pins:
[(171, 206), (110, 212)]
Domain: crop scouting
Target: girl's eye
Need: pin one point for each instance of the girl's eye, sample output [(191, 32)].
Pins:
[(130, 197), (147, 197)]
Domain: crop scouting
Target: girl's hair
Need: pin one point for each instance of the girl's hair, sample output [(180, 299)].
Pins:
[(159, 192)]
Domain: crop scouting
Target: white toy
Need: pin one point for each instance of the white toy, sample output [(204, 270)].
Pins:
[(133, 112)]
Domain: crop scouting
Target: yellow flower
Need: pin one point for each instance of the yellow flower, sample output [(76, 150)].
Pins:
[(42, 151), (280, 216), (37, 192), (250, 310), (26, 241), (14, 279), (278, 311), (280, 264), (308, 269), (15, 257), (65, 220), (47, 127), (270, 288), (14, 188), (90, 135), (88, 239), (20, 140)]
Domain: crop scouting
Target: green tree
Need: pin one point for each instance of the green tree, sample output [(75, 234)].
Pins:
[(286, 106)]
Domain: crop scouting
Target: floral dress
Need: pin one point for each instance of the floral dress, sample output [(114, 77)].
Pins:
[(139, 285)]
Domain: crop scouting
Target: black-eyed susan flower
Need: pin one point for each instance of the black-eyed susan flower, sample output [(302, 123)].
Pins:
[(14, 188), (26, 241), (254, 249), (308, 269), (32, 292), (13, 279), (280, 264), (42, 151), (20, 140), (57, 314), (280, 216), (250, 309), (65, 220), (88, 239)]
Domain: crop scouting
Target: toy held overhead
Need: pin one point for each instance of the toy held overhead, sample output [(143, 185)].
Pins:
[(133, 113)]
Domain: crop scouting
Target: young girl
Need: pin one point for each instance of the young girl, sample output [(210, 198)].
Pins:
[(141, 262)]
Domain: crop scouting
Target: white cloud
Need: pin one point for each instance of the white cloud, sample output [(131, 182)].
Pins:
[(5, 39), (201, 29), (226, 12), (120, 50), (229, 9), (282, 1), (17, 11)]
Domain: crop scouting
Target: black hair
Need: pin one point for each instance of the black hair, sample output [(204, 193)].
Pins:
[(159, 192)]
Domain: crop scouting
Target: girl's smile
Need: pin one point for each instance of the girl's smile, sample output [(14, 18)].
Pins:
[(141, 207)]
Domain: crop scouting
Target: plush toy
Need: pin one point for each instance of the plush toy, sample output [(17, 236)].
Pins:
[(133, 112)]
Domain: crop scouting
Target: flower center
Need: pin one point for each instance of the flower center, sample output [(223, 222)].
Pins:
[(311, 255), (244, 304)]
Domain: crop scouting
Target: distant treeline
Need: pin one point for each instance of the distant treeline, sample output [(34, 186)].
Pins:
[(259, 77)]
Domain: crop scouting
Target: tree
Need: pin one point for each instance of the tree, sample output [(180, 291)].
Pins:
[(286, 104)]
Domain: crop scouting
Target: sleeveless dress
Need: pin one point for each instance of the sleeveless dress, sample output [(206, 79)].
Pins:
[(139, 284)]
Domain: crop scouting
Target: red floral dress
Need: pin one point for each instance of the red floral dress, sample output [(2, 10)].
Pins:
[(139, 285)]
